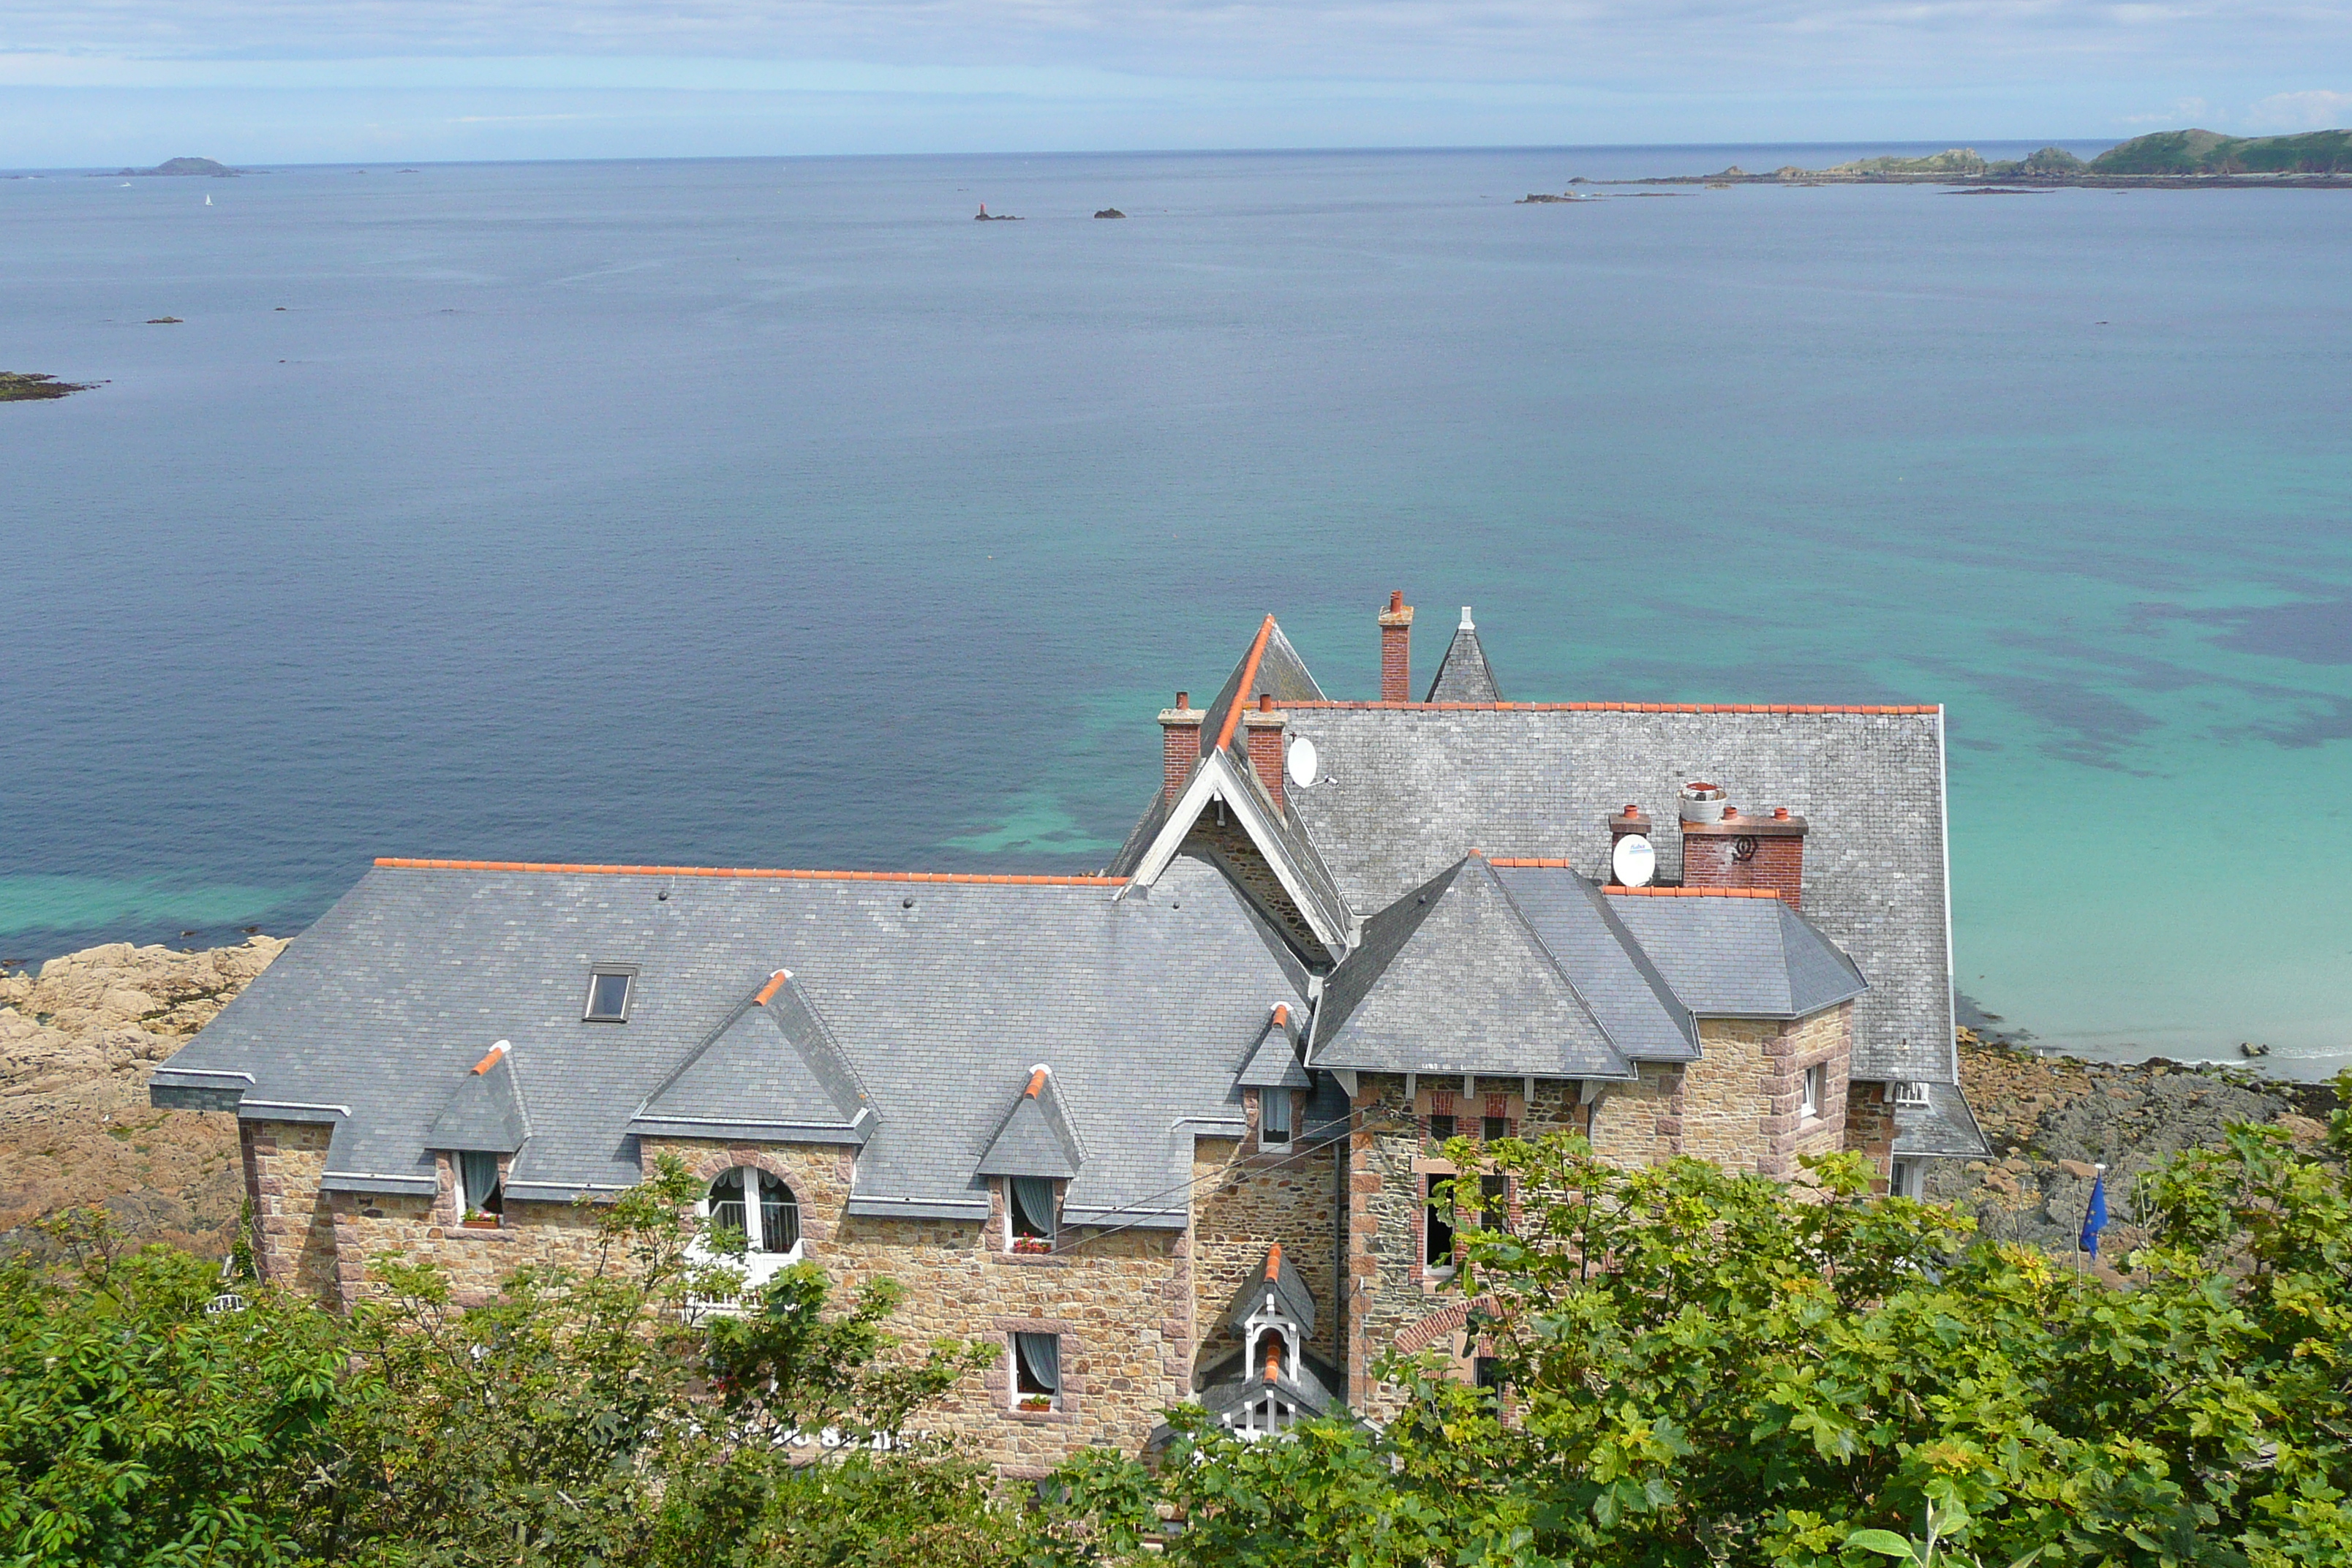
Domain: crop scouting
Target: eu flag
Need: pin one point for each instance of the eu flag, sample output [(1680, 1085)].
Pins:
[(2094, 1218)]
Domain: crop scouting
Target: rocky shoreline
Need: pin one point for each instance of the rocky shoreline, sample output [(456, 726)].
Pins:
[(78, 1043), (2052, 1119)]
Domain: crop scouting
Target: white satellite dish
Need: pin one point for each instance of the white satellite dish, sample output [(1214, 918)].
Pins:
[(1634, 860), (1301, 762)]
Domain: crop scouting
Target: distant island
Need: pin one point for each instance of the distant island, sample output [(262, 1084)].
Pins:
[(2179, 159), (187, 166), (16, 386)]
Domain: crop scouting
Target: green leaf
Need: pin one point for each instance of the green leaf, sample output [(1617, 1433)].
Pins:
[(1884, 1541)]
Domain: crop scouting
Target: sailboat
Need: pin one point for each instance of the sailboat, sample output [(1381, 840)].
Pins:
[(208, 200)]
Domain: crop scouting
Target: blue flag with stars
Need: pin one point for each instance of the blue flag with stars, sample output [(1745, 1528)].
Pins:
[(2094, 1218)]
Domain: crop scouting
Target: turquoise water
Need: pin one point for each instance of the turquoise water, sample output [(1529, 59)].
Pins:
[(774, 512)]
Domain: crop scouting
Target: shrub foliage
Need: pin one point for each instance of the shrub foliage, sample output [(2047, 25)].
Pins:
[(1698, 1368)]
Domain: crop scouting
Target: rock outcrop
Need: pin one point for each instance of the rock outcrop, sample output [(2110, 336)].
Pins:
[(2052, 1120), (78, 1043)]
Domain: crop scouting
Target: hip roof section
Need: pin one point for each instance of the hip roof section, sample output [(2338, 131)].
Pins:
[(932, 989)]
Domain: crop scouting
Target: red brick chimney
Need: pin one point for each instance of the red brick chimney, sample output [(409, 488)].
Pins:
[(1396, 650), (1180, 741), (1724, 848), (1264, 726)]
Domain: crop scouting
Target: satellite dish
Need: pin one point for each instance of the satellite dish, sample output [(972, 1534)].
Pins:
[(1302, 763), (1634, 861)]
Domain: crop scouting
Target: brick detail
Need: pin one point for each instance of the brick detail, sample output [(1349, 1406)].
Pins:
[(1245, 1202), (1753, 852), (1396, 650), (1870, 1129), (1264, 726), (1180, 742)]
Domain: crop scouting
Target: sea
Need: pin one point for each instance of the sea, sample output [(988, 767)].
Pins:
[(774, 512)]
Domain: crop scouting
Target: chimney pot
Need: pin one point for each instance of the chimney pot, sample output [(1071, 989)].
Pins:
[(1730, 813), (1632, 810), (1779, 813), (1396, 600), (1266, 701), (1183, 700)]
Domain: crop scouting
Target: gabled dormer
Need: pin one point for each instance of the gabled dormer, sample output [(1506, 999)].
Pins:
[(1229, 769), (770, 1072), (1035, 1153), (1274, 1381)]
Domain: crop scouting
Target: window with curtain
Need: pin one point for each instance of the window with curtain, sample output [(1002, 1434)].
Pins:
[(758, 1203), (1274, 1116), (1037, 1366), (1032, 1202), (477, 1184)]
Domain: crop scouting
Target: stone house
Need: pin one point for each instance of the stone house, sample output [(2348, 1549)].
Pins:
[(1171, 1131)]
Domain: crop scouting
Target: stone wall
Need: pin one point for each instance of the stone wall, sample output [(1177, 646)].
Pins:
[(1122, 1302), (1870, 1129), (293, 1231), (1394, 1299), (1245, 1201)]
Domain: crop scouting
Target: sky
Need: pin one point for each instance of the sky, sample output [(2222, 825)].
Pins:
[(103, 82)]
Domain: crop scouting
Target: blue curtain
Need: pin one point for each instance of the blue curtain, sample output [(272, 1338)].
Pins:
[(1033, 1205)]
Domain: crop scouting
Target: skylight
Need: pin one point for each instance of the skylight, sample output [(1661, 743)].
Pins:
[(608, 996)]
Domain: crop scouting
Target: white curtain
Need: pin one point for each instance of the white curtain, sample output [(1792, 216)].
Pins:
[(1041, 1358)]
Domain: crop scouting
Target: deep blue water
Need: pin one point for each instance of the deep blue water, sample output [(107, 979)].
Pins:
[(774, 512)]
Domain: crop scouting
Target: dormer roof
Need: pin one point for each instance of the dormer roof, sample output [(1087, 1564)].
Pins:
[(1451, 979), (1035, 1138), (771, 1070), (1275, 1291), (484, 1113), (1273, 1061)]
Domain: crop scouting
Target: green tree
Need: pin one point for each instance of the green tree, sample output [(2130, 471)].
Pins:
[(137, 1428)]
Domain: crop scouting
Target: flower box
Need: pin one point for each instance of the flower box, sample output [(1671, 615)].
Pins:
[(1036, 1401), (1032, 1243)]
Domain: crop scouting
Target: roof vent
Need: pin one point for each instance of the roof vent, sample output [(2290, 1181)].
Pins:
[(1704, 802)]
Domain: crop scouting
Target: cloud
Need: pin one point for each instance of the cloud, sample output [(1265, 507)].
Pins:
[(2315, 109), (1891, 45), (2184, 111)]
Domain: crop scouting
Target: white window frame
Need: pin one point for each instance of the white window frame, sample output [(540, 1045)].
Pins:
[(1906, 1178), (758, 1266), (1812, 1090), (1053, 1237), (1909, 1094), (1266, 1140), (1061, 1368), (464, 1199)]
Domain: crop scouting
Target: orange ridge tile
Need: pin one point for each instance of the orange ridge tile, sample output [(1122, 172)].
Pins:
[(1621, 707), (1694, 892)]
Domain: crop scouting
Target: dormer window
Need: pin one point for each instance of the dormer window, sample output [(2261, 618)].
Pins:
[(608, 994), (480, 1192), (1273, 1118), (1029, 1206)]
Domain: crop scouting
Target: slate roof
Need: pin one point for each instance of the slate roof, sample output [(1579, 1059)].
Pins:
[(1279, 1280), (1451, 978), (1407, 788), (1462, 675), (1228, 1385), (1274, 1062), (1615, 978), (1739, 957), (485, 1112), (932, 989), (1269, 664), (1945, 1125), (1036, 1138), (771, 1070)]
